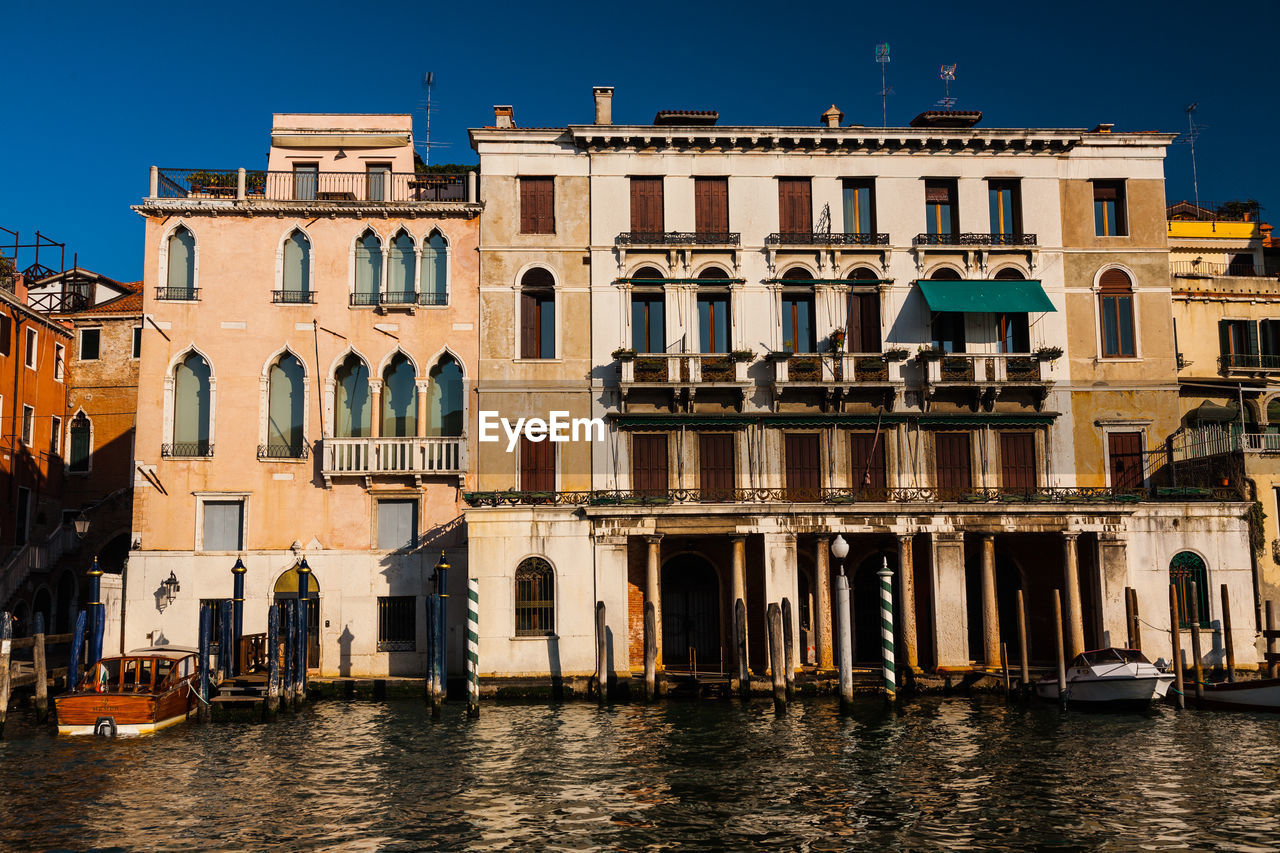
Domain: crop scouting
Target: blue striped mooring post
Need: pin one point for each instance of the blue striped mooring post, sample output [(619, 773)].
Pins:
[(290, 651), (206, 630), (304, 627), (237, 594), (473, 647), (442, 591), (96, 614), (886, 628)]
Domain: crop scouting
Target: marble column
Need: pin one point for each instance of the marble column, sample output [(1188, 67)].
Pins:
[(990, 609), (423, 389), (1113, 577), (653, 589), (950, 608), (739, 583), (1071, 579), (822, 570), (907, 594), (375, 407)]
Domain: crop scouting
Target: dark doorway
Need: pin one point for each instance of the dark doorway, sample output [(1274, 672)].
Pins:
[(690, 614), (287, 588), (865, 587)]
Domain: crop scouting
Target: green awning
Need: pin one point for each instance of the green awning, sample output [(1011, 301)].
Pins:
[(977, 296)]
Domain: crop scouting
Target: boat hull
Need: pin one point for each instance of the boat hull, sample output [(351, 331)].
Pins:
[(1259, 695), (82, 713), (1102, 691)]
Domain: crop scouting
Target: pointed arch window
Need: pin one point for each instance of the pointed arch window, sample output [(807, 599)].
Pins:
[(295, 279), (368, 262), (286, 398), (1012, 328), (399, 398), (81, 448), (180, 280), (400, 270), (352, 404), (444, 405), (435, 270), (192, 399)]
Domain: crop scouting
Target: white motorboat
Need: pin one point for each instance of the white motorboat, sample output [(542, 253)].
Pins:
[(1112, 676)]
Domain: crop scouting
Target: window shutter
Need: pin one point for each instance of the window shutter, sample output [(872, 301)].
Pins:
[(1224, 337), (1114, 281), (649, 464), (804, 468), (546, 206), (528, 325), (528, 207), (537, 466), (1251, 330), (1018, 460), (951, 454), (866, 452), (715, 464), (711, 205), (646, 205), (795, 206)]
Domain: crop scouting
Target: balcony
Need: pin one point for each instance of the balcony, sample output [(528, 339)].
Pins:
[(837, 375), (392, 456), (178, 294), (293, 297), (635, 239), (825, 239), (283, 451), (1210, 269), (1214, 211), (1248, 363), (355, 188), (187, 450), (396, 299), (684, 375), (975, 240), (985, 376), (58, 303)]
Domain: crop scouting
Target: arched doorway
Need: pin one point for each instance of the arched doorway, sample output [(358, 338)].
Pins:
[(865, 587), (286, 589), (690, 614)]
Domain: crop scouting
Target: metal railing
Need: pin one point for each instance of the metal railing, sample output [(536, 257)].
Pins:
[(679, 238), (819, 238), (984, 367), (187, 450), (1213, 211), (394, 455), (371, 186), (283, 451), (432, 297), (1248, 361), (1214, 440), (683, 368), (364, 299), (178, 294), (34, 556), (973, 239), (293, 297), (1216, 269), (821, 368)]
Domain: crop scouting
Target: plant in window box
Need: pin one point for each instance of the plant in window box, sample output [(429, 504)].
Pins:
[(837, 340), (742, 355), (255, 183), (895, 354), (623, 354), (1049, 353), (928, 352), (780, 355), (202, 180)]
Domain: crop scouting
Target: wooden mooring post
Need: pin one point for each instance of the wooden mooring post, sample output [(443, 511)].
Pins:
[(1004, 667), (602, 655), (290, 652), (1062, 654), (1135, 635), (1197, 667), (6, 646), (777, 666), (788, 648), (77, 649), (1024, 666), (1175, 637), (1273, 661), (272, 706), (650, 651), (739, 644), (40, 665), (1227, 642)]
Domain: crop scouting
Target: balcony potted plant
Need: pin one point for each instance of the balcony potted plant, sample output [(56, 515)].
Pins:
[(837, 339), (208, 181), (1049, 353), (255, 183), (623, 354), (742, 355), (929, 352), (894, 354)]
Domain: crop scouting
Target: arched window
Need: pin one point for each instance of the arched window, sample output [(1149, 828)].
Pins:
[(368, 270), (435, 270), (181, 282), (948, 326), (351, 404), (648, 311), (285, 401), (444, 406), (80, 434), (1187, 568), (537, 314), (864, 311), (1012, 328), (1115, 309), (535, 598), (1273, 420), (296, 275), (713, 311), (400, 284), (797, 312), (399, 398), (191, 404)]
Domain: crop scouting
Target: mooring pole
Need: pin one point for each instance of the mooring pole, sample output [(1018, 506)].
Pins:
[(1128, 616), (777, 667), (740, 644), (226, 652), (442, 638), (237, 594), (1024, 667), (1175, 637), (1227, 641), (40, 665), (1272, 664), (844, 640), (788, 648), (77, 648), (650, 652), (1137, 620), (290, 652), (602, 675), (473, 647), (1062, 656), (96, 614), (6, 644), (206, 623), (1004, 666), (886, 629), (1196, 666), (304, 627), (273, 662), (429, 685)]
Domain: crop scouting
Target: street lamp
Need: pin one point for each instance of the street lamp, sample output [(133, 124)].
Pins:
[(81, 524), (171, 587), (439, 575), (839, 550)]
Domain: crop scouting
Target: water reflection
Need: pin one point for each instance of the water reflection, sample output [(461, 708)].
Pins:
[(936, 774)]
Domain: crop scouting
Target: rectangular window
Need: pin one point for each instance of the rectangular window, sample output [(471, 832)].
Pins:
[(306, 176), (1018, 461), (797, 322), (537, 323), (649, 464), (29, 357), (377, 181), (715, 466), (711, 205), (537, 206), (795, 206), (860, 206), (223, 525), (1238, 340), (90, 344), (646, 205), (537, 466), (1014, 333), (1006, 207), (948, 331), (397, 524), (397, 623), (866, 454), (28, 424), (713, 322), (951, 458), (1109, 209), (137, 342), (6, 334), (864, 323), (648, 321), (55, 436), (59, 362), (940, 208), (803, 466), (1124, 457)]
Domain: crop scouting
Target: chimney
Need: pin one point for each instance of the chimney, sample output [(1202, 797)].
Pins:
[(504, 116), (604, 104), (1103, 128), (832, 117)]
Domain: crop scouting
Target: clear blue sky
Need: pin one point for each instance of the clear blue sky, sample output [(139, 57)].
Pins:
[(96, 93)]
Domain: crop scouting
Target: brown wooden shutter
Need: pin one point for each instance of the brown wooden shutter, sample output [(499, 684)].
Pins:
[(864, 322), (529, 325), (537, 206), (715, 464), (1114, 281), (711, 205), (646, 205), (795, 206), (537, 466), (649, 464), (937, 193), (1104, 192), (866, 454), (804, 466), (1018, 461), (951, 454), (1124, 453)]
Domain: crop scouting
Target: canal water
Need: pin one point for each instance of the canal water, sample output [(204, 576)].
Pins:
[(938, 773)]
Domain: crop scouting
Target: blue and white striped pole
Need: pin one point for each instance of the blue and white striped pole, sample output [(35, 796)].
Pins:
[(886, 628), (473, 647)]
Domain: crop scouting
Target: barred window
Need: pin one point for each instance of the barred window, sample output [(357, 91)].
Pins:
[(535, 598), (1185, 569), (397, 623)]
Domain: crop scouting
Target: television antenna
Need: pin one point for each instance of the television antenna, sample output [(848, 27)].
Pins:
[(882, 57), (1192, 134), (428, 83), (947, 74)]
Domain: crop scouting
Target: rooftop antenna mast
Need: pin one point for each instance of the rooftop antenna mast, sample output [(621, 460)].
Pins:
[(1193, 132), (428, 83), (947, 74), (882, 57)]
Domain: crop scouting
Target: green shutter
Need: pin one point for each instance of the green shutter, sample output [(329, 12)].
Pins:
[(1224, 337), (1252, 328)]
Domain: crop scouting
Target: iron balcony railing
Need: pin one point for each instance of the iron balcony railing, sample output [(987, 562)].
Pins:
[(818, 238), (1215, 269), (1213, 211), (1251, 361), (973, 239), (433, 297), (679, 238), (683, 369), (293, 297), (984, 367), (394, 455), (398, 297), (371, 186), (364, 299), (283, 451), (178, 294), (187, 450), (820, 368)]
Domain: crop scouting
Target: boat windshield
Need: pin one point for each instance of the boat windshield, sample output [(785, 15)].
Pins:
[(1110, 656)]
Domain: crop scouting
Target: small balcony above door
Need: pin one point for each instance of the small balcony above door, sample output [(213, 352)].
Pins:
[(388, 456)]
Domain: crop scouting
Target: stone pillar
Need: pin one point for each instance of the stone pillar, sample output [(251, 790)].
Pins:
[(423, 389), (1071, 579), (822, 614), (990, 609), (1113, 577), (653, 588), (375, 407), (950, 609), (782, 580), (907, 595), (611, 588), (739, 582)]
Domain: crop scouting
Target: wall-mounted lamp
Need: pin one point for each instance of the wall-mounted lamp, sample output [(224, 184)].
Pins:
[(81, 524), (171, 587), (341, 155)]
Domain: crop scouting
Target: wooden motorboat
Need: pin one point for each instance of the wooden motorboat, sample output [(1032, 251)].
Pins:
[(1109, 676), (1261, 694), (136, 693)]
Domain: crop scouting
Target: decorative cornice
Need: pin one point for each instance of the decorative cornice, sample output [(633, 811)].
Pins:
[(302, 209)]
